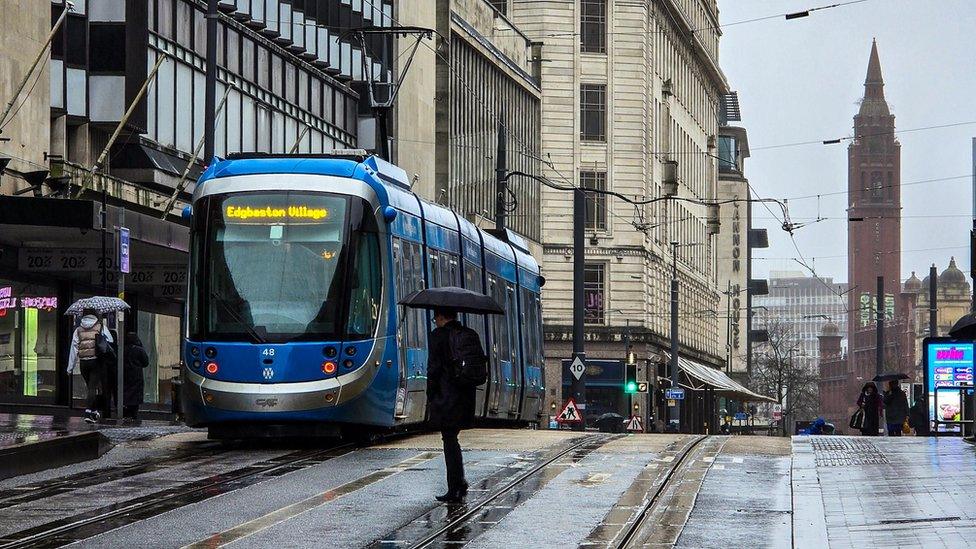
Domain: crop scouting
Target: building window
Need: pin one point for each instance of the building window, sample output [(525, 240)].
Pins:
[(500, 5), (593, 26), (594, 292), (596, 203), (728, 153), (593, 112)]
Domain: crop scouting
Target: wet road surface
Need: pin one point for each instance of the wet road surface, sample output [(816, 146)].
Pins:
[(528, 489)]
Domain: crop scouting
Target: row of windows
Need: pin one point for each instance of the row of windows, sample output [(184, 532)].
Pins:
[(443, 269), (251, 119), (480, 93), (258, 63), (310, 27), (675, 64)]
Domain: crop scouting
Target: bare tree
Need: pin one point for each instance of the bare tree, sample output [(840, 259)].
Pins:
[(778, 373)]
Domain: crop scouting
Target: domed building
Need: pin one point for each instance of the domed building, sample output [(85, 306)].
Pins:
[(953, 300)]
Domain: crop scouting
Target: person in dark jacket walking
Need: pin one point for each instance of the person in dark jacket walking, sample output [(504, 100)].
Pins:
[(896, 408), (136, 360), (918, 416), (870, 401), (450, 402)]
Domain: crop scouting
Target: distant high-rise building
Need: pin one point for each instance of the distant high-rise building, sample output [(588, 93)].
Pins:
[(801, 306)]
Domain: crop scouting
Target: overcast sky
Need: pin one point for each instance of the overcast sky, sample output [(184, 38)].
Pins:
[(800, 80)]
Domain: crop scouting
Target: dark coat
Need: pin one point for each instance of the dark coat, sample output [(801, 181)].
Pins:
[(450, 404), (136, 359), (896, 406), (872, 406), (918, 417)]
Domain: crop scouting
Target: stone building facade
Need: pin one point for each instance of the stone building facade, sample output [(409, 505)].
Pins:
[(953, 300), (630, 104)]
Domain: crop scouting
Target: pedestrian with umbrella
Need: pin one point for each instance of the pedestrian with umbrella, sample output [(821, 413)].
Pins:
[(457, 365), (895, 402), (92, 351), (871, 407)]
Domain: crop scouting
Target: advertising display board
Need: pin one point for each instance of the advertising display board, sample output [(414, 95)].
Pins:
[(948, 376)]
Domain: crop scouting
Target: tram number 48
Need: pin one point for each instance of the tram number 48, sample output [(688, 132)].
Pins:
[(268, 352)]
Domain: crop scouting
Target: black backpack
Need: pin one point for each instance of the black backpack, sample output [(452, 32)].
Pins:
[(469, 362)]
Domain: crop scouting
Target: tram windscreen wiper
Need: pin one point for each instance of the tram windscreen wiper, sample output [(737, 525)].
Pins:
[(250, 330)]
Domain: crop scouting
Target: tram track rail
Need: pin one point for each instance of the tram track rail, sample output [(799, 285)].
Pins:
[(630, 536), (110, 517), (466, 513), (37, 491)]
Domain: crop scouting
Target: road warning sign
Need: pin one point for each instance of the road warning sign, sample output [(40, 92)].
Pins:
[(570, 413), (635, 424)]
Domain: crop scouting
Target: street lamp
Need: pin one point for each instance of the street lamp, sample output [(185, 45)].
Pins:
[(674, 412)]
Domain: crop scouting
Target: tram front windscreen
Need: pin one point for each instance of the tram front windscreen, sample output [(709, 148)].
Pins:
[(284, 266)]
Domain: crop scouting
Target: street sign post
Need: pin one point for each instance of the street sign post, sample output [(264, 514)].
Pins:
[(676, 393), (578, 367), (124, 265), (641, 386)]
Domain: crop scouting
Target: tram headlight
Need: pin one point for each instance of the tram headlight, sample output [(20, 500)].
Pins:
[(330, 352), (351, 350), (328, 367), (210, 352), (196, 364), (212, 368), (195, 351), (348, 363)]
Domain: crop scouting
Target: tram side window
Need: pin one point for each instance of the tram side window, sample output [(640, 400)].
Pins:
[(500, 324), (410, 278), (366, 291), (473, 282), (531, 328), (511, 316)]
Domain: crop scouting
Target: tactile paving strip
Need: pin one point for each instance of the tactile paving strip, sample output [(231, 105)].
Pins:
[(837, 452)]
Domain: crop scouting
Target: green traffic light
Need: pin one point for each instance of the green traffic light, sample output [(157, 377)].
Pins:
[(631, 387)]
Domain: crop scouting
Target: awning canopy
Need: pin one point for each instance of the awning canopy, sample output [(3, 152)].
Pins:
[(698, 377)]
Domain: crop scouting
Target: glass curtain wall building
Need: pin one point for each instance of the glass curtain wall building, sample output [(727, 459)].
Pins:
[(288, 71)]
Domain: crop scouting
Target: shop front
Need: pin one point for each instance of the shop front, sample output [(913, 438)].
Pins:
[(51, 254)]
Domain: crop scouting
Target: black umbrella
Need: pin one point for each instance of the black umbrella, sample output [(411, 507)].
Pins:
[(454, 299), (965, 327), (889, 376)]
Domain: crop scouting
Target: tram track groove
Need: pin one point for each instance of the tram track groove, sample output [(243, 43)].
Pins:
[(468, 512), (40, 490), (110, 517), (629, 536)]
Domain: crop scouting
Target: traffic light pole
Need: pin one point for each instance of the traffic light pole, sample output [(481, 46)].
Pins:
[(880, 315), (578, 386)]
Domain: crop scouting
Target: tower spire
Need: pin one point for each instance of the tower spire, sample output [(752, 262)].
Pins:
[(874, 100), (874, 82)]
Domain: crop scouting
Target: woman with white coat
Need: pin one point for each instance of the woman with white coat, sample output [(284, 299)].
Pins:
[(85, 353)]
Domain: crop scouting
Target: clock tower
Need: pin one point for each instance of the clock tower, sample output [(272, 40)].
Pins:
[(874, 210)]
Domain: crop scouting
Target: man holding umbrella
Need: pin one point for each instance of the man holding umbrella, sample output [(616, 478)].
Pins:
[(457, 365)]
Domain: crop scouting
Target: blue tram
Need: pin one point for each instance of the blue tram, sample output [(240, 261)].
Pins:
[(297, 264)]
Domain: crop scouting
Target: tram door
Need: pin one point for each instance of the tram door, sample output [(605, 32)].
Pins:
[(512, 318), (502, 375), (411, 399), (473, 281)]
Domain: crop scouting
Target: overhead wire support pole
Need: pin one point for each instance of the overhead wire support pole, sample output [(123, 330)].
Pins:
[(880, 316), (118, 129), (69, 6), (674, 412), (184, 177), (579, 300), (501, 190), (210, 84)]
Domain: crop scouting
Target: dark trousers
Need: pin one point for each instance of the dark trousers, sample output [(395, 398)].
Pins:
[(453, 460), (894, 429), (94, 375)]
